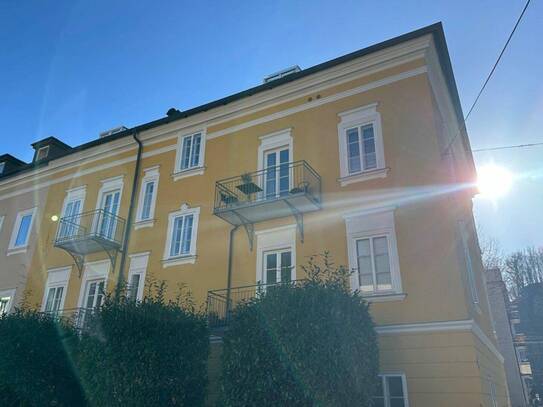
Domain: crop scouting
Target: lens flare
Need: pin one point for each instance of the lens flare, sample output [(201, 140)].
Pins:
[(493, 181)]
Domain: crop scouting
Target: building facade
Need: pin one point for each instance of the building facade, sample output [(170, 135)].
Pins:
[(515, 357), (363, 156)]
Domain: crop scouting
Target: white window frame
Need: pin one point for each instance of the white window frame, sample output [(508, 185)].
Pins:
[(110, 185), (168, 260), (383, 376), (138, 265), (12, 249), (11, 294), (269, 240), (368, 223), (361, 116), (470, 273), (72, 195), (44, 148), (93, 271), (492, 391), (58, 277), (197, 169), (151, 174)]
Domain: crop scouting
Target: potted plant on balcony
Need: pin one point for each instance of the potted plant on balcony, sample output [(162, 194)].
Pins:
[(246, 178)]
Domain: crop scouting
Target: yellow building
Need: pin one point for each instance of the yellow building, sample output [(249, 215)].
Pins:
[(363, 156)]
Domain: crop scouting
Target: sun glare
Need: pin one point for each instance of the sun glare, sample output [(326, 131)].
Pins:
[(493, 181)]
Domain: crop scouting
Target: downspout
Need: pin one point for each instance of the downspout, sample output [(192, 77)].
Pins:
[(229, 276), (128, 227)]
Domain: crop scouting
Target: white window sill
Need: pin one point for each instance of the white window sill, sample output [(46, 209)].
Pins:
[(389, 297), (176, 261), (147, 223), (188, 173), (16, 250), (364, 176)]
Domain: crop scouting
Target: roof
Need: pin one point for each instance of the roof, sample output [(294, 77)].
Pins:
[(50, 141), (435, 29)]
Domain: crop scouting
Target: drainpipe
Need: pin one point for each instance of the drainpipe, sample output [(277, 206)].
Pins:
[(229, 278), (128, 229)]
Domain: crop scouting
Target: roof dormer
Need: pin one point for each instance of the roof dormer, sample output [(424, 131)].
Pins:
[(48, 149), (9, 164)]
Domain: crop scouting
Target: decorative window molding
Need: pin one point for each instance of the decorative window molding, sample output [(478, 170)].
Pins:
[(465, 243), (147, 198), (73, 205), (22, 229), (361, 150), (55, 289), (392, 390), (96, 270), (275, 140), (275, 240), (136, 275), (7, 299), (181, 237), (373, 254), (190, 155)]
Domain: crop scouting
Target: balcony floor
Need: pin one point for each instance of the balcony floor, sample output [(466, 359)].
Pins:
[(266, 209), (87, 244)]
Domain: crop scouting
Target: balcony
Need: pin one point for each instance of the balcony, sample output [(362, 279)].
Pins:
[(76, 317), (90, 232), (275, 192), (218, 310)]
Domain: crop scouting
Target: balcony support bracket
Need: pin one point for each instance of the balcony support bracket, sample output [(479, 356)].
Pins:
[(299, 217), (249, 229), (79, 260)]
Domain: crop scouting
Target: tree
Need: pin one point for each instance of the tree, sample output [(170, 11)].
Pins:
[(523, 268), (148, 353), (307, 343), (35, 368)]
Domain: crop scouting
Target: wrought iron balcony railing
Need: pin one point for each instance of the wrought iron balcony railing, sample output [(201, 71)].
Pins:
[(220, 303), (90, 232), (269, 193), (77, 317)]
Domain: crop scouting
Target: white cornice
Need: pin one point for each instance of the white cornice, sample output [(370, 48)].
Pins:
[(467, 325), (357, 68)]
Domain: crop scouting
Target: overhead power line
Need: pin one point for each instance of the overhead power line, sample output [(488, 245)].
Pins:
[(507, 147), (489, 75)]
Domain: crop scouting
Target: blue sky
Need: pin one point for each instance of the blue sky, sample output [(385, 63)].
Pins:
[(74, 68)]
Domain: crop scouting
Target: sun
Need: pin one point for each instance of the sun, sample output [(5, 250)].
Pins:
[(493, 181)]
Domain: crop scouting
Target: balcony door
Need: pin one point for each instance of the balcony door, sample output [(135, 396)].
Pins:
[(276, 172), (277, 266), (70, 221), (94, 293), (110, 208)]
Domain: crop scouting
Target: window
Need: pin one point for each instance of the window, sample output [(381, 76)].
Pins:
[(42, 153), (1, 222), (6, 301), (2, 166), (109, 201), (181, 239), (361, 149), (276, 255), (373, 253), (147, 198), (360, 145), (277, 266), (190, 151), (136, 276), (55, 290), (391, 391), (71, 209), (22, 229), (493, 399), (373, 264), (522, 354), (464, 236)]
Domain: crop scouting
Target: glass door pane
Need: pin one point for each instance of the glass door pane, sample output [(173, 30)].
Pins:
[(110, 207), (277, 173), (271, 175)]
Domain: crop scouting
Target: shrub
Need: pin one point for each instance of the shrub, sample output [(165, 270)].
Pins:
[(304, 344), (35, 369), (150, 353)]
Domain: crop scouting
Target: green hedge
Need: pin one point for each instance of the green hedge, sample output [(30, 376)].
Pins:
[(305, 344), (144, 354), (35, 369)]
